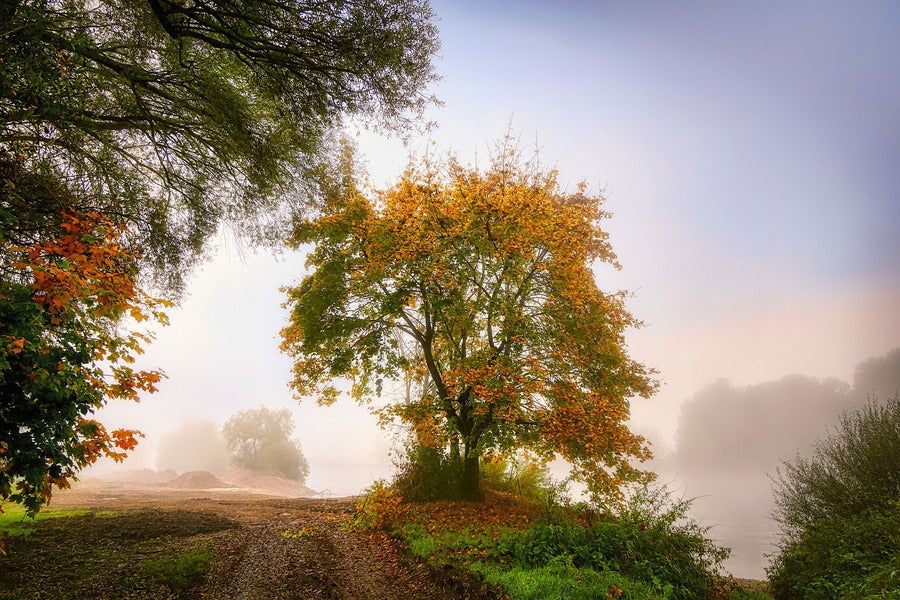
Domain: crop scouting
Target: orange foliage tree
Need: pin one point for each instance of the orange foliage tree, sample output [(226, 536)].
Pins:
[(480, 285), (63, 350)]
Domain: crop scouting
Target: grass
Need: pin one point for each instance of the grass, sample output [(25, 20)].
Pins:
[(564, 582), (14, 522), (180, 570)]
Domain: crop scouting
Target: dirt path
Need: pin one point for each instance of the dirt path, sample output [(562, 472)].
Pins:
[(263, 548), (306, 552)]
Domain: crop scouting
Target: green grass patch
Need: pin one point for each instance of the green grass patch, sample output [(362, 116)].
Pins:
[(179, 571), (564, 582), (147, 553), (13, 521)]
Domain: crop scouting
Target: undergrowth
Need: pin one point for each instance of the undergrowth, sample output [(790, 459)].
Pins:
[(525, 539), (15, 522)]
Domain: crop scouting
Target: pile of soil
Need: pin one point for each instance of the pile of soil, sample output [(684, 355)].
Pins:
[(196, 480), (267, 483)]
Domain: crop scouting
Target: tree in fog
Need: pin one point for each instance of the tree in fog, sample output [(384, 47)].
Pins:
[(488, 276), (193, 446), (260, 440)]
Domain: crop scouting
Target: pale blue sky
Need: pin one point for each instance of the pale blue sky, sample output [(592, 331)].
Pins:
[(749, 152)]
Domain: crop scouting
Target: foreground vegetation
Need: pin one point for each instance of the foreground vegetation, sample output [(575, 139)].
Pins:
[(840, 512), (528, 542)]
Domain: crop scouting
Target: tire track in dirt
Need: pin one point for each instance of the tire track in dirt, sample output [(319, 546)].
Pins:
[(308, 554)]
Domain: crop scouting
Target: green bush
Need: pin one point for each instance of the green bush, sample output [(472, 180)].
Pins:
[(840, 512), (854, 470), (650, 542), (650, 551), (842, 557), (427, 473)]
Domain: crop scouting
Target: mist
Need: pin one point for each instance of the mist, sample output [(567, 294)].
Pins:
[(195, 445), (730, 441)]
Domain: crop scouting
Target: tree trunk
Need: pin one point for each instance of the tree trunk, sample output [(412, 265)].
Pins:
[(469, 488), (454, 449)]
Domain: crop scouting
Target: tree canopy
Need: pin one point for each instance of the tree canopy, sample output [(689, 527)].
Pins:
[(478, 285), (172, 116), (130, 130)]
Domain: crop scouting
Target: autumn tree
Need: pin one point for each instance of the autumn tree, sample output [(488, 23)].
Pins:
[(173, 116), (260, 440), (487, 275), (64, 352)]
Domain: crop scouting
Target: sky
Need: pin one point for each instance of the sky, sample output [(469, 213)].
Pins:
[(748, 152)]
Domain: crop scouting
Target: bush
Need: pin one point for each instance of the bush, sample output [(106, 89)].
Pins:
[(427, 473), (840, 512), (842, 557), (650, 551), (854, 470), (652, 542), (375, 510)]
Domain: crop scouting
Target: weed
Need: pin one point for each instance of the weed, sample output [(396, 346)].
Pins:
[(301, 533)]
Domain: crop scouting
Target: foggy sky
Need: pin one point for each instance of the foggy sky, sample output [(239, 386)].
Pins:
[(732, 439), (748, 152)]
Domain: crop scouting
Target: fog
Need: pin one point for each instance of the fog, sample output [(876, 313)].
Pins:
[(195, 445), (748, 154), (730, 441)]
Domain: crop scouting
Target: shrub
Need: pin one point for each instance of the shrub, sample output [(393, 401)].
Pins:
[(842, 557), (840, 512), (376, 508), (427, 473), (854, 470), (652, 541)]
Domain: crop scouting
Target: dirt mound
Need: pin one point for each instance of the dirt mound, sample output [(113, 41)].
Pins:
[(267, 483), (196, 480)]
